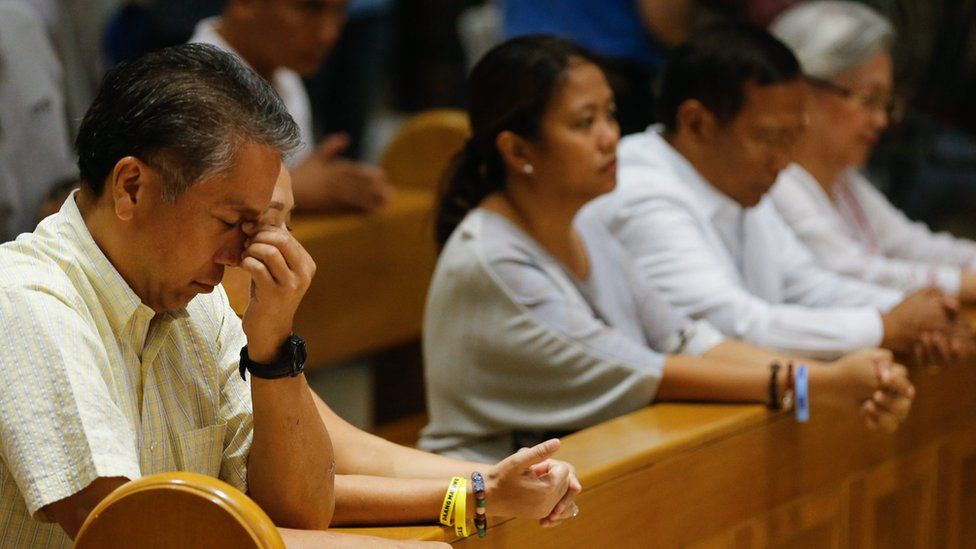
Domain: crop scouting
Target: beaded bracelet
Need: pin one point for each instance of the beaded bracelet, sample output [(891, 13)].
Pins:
[(480, 518), (789, 395), (774, 402)]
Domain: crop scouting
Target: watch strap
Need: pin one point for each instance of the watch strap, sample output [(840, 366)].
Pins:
[(290, 362)]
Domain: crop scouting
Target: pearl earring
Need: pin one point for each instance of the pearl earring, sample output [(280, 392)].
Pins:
[(528, 168)]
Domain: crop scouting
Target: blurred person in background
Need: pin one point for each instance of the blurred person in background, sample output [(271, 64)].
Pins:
[(691, 208), (352, 82), (848, 224), (284, 41), (536, 321), (36, 160)]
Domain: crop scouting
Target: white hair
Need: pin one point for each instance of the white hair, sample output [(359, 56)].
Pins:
[(830, 37)]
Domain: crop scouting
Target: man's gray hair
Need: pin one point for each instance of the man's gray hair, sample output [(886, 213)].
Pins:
[(830, 37), (184, 110)]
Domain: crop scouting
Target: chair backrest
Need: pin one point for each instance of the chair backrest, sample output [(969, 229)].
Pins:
[(177, 510), (422, 148)]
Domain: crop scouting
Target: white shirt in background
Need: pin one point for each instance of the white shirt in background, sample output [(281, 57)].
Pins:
[(857, 232), (286, 82), (741, 269)]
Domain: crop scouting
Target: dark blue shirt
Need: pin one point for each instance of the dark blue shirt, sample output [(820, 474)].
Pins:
[(611, 28)]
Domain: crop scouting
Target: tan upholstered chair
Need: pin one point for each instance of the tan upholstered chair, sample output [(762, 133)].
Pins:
[(422, 148), (178, 510)]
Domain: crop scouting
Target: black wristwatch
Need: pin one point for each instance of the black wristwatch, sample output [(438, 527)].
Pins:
[(290, 362)]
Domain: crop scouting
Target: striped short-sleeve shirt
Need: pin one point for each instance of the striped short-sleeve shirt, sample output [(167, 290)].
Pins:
[(98, 385)]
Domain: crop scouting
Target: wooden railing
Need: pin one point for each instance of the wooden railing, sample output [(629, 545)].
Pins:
[(705, 475)]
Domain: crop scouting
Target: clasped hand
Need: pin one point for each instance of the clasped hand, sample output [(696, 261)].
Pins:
[(872, 380), (530, 484)]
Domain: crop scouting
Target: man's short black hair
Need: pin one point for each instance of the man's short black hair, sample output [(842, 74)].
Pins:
[(184, 110), (714, 66)]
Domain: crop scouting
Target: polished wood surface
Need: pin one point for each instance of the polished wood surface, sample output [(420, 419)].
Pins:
[(679, 475), (178, 510)]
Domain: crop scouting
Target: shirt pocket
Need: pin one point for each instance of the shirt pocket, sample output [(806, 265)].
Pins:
[(202, 450)]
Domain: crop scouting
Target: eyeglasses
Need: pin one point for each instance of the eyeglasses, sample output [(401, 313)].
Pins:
[(888, 103)]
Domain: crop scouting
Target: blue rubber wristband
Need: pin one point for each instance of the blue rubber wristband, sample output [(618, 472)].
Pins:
[(802, 394)]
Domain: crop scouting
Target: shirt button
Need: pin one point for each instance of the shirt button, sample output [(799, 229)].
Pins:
[(152, 447)]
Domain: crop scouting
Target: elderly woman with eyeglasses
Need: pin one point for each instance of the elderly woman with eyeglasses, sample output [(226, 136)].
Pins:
[(849, 225)]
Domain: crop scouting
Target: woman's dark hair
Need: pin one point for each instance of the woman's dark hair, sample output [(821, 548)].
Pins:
[(510, 88), (715, 65)]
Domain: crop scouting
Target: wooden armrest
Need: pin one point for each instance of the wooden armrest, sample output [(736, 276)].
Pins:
[(178, 510)]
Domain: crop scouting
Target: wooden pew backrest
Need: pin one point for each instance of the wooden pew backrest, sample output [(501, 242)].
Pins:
[(422, 148), (177, 510)]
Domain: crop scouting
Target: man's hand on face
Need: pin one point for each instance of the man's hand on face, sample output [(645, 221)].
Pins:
[(281, 271), (327, 182)]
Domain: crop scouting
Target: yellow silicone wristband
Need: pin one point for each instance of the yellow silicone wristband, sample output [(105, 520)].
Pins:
[(450, 500), (460, 508)]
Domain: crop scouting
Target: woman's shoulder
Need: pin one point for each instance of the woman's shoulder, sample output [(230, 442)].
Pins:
[(489, 252), (489, 237)]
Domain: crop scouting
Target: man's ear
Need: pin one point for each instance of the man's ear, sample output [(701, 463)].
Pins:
[(515, 151), (696, 120), (131, 183)]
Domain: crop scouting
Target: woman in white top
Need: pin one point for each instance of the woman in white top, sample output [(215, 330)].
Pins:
[(849, 225), (535, 323)]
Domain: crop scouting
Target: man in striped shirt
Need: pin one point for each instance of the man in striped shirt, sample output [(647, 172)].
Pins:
[(121, 351)]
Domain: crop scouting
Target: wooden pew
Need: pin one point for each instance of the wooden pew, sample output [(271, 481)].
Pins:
[(698, 475), (173, 510)]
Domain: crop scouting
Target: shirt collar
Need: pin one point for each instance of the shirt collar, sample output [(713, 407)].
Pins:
[(119, 302), (711, 201)]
